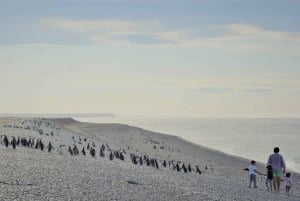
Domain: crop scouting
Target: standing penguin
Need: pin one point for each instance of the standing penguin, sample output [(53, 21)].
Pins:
[(102, 153), (42, 145), (184, 168), (92, 152), (189, 168), (156, 164), (37, 145), (70, 151), (83, 151), (18, 141), (198, 170), (165, 163), (5, 141), (111, 156), (122, 156), (177, 167), (141, 161), (49, 147), (14, 143)]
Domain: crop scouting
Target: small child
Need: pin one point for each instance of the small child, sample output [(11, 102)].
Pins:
[(252, 173), (269, 178), (288, 182)]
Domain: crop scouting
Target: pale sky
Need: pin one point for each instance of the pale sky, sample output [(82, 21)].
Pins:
[(226, 58)]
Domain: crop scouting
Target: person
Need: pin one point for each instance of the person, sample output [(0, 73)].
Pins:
[(269, 178), (252, 173), (288, 182), (278, 165)]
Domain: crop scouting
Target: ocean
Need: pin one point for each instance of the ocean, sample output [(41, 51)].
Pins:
[(252, 138)]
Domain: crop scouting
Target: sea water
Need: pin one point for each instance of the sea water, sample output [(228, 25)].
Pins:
[(252, 138)]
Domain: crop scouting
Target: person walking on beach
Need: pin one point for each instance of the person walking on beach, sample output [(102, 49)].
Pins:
[(269, 178), (278, 165), (288, 182), (252, 173)]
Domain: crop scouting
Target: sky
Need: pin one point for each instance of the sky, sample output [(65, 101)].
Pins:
[(203, 58)]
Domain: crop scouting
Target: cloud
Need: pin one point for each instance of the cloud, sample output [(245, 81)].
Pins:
[(251, 85), (106, 26), (215, 90), (153, 33), (258, 90), (115, 32), (242, 31)]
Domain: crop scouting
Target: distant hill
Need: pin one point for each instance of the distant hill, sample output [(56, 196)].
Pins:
[(52, 115)]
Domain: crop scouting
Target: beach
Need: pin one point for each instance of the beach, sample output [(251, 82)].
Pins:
[(28, 173)]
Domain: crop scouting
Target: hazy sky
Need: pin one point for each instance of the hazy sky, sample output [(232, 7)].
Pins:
[(151, 57)]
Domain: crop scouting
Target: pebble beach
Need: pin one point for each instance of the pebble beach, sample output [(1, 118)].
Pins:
[(29, 173)]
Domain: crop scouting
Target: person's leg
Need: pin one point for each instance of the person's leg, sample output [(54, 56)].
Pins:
[(251, 180), (278, 183), (275, 183), (254, 181), (267, 184)]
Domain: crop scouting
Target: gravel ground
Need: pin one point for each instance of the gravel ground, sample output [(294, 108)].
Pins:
[(31, 174)]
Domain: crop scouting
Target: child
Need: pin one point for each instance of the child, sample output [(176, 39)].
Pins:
[(288, 182), (269, 178), (252, 173)]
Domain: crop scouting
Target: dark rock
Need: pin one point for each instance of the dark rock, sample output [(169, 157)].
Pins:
[(132, 182)]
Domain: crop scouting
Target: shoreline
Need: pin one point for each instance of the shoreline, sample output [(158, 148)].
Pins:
[(242, 159), (232, 155), (147, 126)]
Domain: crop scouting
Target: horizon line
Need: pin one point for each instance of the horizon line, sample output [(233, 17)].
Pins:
[(107, 114)]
